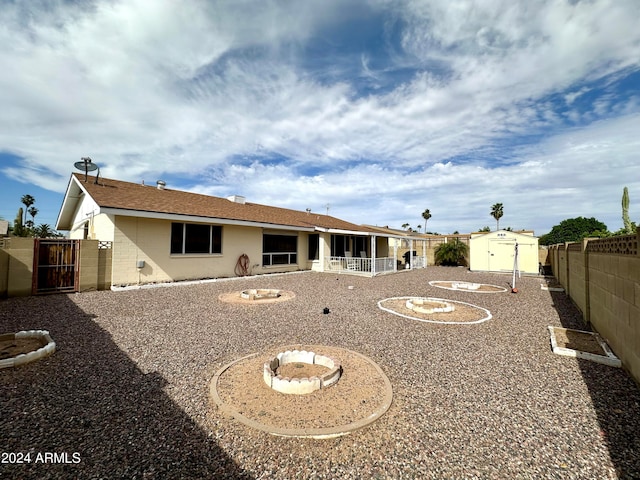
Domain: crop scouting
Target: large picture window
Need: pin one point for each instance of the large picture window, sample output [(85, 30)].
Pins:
[(195, 238), (279, 249)]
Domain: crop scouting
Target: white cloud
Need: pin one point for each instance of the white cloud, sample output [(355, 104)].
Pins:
[(224, 91)]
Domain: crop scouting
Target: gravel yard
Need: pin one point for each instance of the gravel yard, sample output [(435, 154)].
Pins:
[(127, 388)]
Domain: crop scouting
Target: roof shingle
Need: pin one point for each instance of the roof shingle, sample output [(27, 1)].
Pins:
[(109, 193)]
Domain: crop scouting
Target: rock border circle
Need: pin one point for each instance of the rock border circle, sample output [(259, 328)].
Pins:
[(386, 399), (21, 359), (471, 287), (488, 315)]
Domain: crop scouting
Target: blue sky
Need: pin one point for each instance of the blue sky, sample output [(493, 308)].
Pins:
[(378, 109)]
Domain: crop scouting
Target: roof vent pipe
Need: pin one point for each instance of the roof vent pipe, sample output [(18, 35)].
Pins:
[(161, 184)]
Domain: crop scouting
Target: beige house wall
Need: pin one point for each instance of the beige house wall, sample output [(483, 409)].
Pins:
[(145, 239), (602, 277)]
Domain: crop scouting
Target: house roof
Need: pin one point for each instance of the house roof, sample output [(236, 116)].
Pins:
[(132, 199)]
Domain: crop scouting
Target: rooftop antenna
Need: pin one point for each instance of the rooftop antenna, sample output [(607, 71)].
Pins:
[(88, 166), (327, 206)]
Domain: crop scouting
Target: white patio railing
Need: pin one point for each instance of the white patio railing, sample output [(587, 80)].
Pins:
[(359, 265)]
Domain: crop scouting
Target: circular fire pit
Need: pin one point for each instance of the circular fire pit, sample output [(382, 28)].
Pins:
[(281, 379), (244, 389), (260, 294), (24, 347), (429, 305), (256, 296)]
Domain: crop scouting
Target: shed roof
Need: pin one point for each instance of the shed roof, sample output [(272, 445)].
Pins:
[(134, 199)]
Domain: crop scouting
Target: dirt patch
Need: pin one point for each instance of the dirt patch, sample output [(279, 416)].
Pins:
[(358, 394), (12, 347), (580, 341), (301, 370), (463, 313)]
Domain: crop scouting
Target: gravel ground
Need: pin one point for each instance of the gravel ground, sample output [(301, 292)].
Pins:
[(126, 390)]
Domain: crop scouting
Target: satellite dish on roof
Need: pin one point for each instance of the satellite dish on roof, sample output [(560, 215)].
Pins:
[(88, 166)]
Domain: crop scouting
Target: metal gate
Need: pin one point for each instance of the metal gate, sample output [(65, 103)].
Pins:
[(55, 266)]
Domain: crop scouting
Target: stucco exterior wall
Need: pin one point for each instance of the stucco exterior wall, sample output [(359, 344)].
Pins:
[(83, 214), (149, 240)]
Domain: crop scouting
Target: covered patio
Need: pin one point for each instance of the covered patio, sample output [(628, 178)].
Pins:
[(371, 254)]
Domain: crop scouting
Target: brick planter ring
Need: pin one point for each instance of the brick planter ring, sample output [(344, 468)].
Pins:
[(301, 386)]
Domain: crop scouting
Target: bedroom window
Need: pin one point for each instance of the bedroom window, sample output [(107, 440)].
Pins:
[(194, 238)]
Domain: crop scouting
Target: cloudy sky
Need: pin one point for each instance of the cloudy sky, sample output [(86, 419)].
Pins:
[(377, 109)]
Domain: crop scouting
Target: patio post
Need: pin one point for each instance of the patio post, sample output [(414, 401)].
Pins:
[(373, 255), (395, 254)]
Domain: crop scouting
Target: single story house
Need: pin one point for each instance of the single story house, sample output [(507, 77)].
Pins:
[(158, 234), (495, 251)]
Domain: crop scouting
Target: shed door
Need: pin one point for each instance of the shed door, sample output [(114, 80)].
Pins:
[(501, 255), (55, 266)]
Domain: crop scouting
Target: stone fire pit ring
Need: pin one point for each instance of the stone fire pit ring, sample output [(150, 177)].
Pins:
[(25, 345), (257, 296), (303, 385)]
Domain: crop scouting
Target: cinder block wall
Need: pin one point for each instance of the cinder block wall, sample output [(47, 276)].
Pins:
[(88, 278), (20, 275), (16, 267), (4, 273), (603, 278)]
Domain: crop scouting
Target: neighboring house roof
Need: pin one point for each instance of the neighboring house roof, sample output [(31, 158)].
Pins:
[(394, 231), (132, 199)]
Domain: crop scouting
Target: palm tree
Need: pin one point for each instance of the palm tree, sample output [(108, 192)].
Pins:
[(28, 200), (496, 212), (451, 253), (426, 215), (405, 226), (43, 231), (33, 211)]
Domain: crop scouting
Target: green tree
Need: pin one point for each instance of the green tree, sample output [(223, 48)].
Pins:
[(405, 226), (44, 231), (573, 230), (451, 253), (497, 213), (485, 229), (27, 200), (426, 215)]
